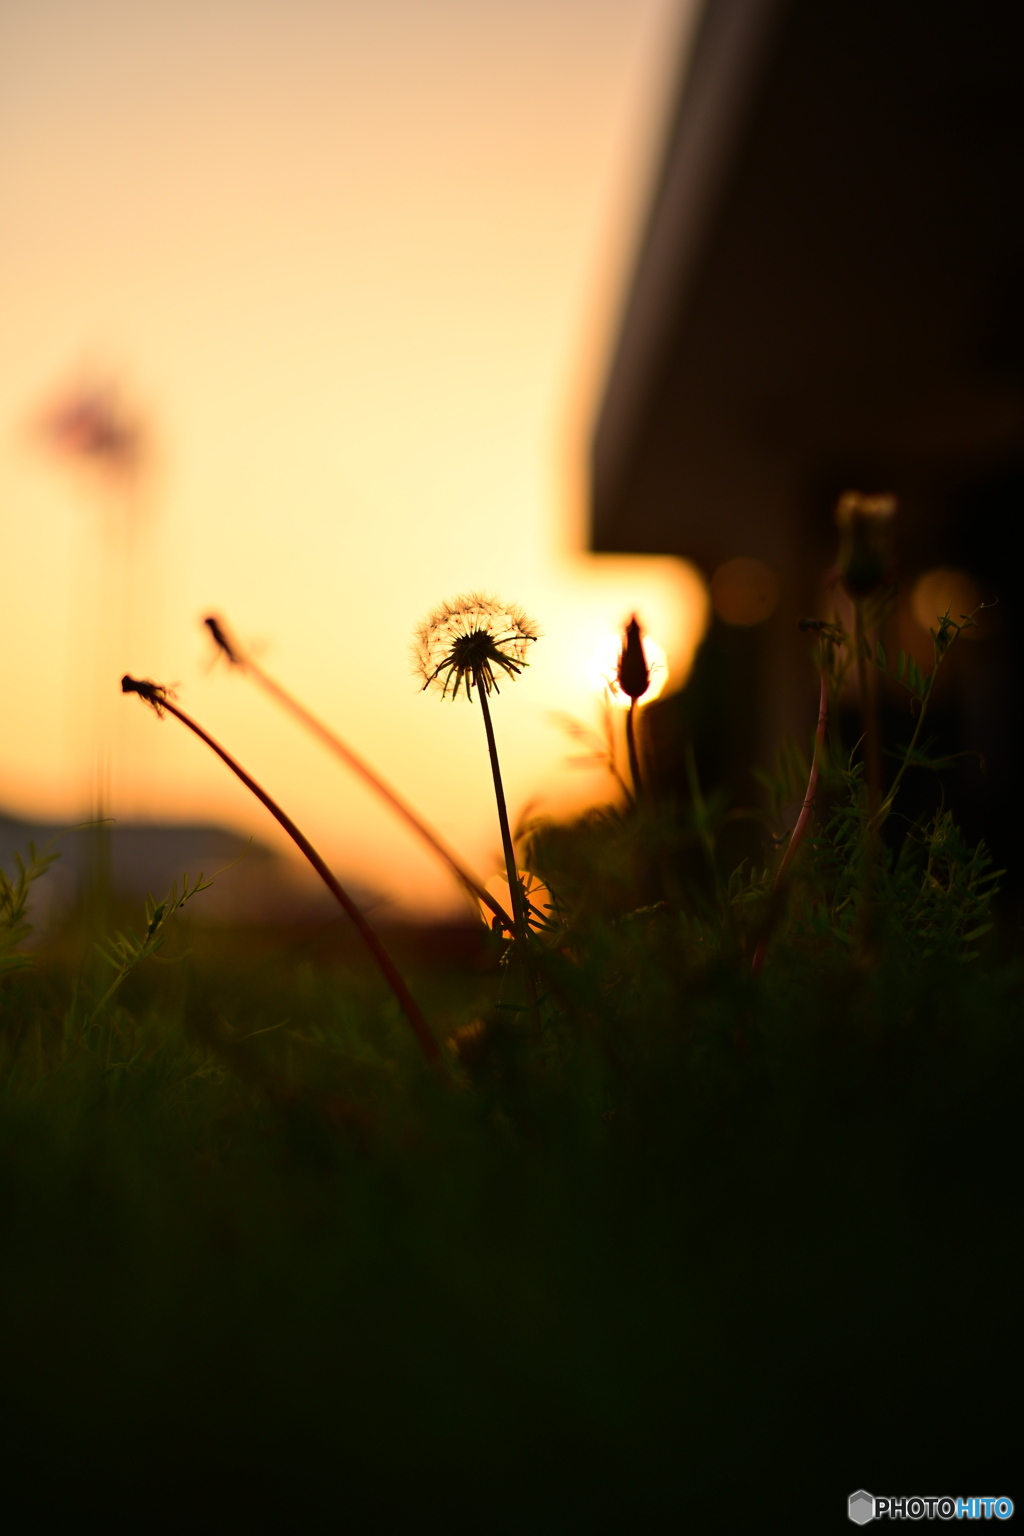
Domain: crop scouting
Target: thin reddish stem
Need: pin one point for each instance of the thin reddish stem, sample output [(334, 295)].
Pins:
[(805, 811), (384, 961), (869, 715), (365, 772)]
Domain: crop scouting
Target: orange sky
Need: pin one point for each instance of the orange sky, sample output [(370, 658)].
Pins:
[(358, 269)]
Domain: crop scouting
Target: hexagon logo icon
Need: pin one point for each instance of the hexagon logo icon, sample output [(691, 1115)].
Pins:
[(862, 1507)]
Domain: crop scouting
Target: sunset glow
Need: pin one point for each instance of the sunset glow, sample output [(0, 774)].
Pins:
[(350, 275), (604, 666)]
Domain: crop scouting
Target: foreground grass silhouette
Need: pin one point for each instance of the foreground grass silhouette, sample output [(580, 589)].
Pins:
[(159, 699), (718, 1229), (710, 1235)]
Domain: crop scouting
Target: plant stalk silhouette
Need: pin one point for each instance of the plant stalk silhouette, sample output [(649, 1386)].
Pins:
[(153, 694), (237, 658), (797, 835), (462, 644)]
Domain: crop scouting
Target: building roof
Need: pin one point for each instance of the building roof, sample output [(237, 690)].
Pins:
[(830, 287)]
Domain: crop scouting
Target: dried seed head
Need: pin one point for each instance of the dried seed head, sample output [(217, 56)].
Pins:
[(853, 505), (226, 646), (634, 674), (465, 640), (152, 693)]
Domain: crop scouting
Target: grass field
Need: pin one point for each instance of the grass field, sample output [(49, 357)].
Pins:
[(706, 1236), (706, 1217)]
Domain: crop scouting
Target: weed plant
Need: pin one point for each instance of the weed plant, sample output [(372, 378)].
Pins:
[(689, 1236)]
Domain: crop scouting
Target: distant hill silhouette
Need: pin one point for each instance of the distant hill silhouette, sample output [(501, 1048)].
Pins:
[(256, 885)]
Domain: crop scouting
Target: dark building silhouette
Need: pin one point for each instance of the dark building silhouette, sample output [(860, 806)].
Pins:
[(829, 293)]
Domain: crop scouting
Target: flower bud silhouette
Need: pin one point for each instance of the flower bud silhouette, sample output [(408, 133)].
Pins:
[(864, 547), (634, 674)]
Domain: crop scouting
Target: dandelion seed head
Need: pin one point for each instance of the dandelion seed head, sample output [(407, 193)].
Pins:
[(468, 640)]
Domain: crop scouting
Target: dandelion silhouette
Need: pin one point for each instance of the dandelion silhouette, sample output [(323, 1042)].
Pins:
[(461, 644), (230, 648), (463, 641)]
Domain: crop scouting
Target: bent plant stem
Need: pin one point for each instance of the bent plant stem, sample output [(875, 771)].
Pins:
[(365, 772), (634, 756), (797, 835), (886, 805), (941, 642), (869, 714), (385, 964), (522, 927), (873, 777)]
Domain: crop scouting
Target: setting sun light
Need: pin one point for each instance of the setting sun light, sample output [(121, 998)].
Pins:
[(327, 352), (604, 663)]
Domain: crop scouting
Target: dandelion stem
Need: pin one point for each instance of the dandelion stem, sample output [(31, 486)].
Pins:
[(362, 769), (522, 927), (158, 697)]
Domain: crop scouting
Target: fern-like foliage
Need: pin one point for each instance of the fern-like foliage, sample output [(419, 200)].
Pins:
[(944, 889), (14, 896), (785, 782), (125, 951), (933, 895)]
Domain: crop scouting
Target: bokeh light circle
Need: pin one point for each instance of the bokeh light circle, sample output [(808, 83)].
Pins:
[(944, 588)]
